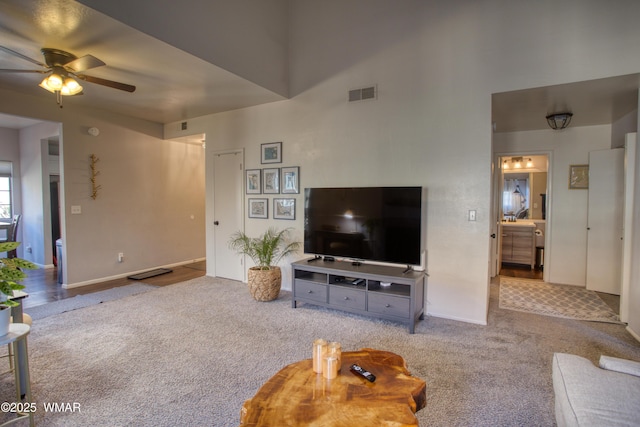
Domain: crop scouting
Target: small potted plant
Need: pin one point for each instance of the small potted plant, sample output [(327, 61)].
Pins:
[(10, 274), (265, 278)]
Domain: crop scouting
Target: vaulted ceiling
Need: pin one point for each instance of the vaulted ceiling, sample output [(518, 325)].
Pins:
[(193, 61)]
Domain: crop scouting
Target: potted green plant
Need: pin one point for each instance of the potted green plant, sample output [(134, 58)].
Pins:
[(265, 278), (10, 274)]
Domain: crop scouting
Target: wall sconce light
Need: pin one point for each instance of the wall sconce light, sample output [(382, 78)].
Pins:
[(559, 121), (516, 163)]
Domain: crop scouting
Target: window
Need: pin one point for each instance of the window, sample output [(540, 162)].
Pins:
[(6, 210), (5, 197)]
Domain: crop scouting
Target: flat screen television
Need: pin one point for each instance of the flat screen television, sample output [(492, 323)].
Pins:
[(365, 223)]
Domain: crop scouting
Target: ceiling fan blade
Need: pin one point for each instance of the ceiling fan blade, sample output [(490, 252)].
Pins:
[(108, 83), (84, 63), (19, 55), (5, 70)]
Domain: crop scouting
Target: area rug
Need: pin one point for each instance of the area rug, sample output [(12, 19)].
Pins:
[(81, 301), (569, 302)]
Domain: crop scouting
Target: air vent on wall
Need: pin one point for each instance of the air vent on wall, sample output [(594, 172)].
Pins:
[(363, 94)]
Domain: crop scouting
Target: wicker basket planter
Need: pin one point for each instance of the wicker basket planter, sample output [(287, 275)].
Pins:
[(264, 285)]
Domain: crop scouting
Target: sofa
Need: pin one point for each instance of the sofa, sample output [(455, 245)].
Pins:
[(589, 395)]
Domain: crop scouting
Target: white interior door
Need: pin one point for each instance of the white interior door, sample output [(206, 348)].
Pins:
[(604, 222), (228, 212), (496, 215)]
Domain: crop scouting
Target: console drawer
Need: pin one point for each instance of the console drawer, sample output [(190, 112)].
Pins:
[(310, 291), (347, 298), (389, 304)]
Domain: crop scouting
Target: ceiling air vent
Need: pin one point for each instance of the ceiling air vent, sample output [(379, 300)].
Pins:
[(363, 94)]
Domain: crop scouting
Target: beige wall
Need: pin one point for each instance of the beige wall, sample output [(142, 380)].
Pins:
[(436, 65), (150, 189)]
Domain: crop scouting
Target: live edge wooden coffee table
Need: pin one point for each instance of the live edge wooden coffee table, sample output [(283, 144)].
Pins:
[(297, 396)]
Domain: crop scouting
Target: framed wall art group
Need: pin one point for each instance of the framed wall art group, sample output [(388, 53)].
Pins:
[(272, 180)]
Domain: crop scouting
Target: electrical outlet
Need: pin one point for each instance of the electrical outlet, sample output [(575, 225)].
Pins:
[(76, 210)]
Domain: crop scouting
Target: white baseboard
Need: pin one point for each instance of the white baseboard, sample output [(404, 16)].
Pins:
[(633, 334), (130, 273), (459, 319)]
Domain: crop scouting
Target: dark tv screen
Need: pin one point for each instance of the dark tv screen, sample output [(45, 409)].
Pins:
[(364, 223)]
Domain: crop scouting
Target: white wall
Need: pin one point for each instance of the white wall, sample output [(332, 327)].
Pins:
[(35, 224), (150, 188), (436, 65), (634, 288), (566, 256)]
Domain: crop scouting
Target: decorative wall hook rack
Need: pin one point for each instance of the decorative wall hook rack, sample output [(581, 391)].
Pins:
[(94, 174)]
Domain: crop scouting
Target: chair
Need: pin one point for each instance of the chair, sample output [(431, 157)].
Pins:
[(12, 235)]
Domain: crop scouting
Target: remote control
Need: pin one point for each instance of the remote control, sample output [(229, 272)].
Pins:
[(364, 374)]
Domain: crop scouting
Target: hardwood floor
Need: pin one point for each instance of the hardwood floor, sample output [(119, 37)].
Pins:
[(42, 285), (520, 271)]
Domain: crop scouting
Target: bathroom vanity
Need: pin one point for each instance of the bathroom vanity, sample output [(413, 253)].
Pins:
[(519, 243)]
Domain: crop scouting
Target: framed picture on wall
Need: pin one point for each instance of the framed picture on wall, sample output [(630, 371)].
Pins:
[(254, 181), (259, 208), (271, 181), (290, 180), (284, 209), (271, 152), (578, 177)]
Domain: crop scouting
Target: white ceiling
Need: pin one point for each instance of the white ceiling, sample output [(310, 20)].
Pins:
[(593, 102), (173, 85)]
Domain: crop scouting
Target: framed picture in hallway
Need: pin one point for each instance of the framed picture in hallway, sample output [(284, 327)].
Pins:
[(578, 177)]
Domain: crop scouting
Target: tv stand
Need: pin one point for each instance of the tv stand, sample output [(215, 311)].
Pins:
[(371, 290)]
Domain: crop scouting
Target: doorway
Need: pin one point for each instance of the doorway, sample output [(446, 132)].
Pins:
[(521, 203), (228, 200)]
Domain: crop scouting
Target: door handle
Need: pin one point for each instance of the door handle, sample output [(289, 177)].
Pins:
[(216, 222)]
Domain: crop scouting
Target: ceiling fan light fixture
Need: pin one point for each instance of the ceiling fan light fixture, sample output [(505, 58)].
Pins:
[(71, 87), (52, 83), (558, 121), (66, 86)]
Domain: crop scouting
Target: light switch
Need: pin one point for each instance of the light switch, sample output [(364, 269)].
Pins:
[(76, 210), (472, 215)]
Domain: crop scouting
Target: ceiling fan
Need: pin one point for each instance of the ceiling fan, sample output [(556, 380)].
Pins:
[(61, 67)]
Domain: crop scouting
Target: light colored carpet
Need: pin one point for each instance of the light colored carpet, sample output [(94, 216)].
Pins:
[(568, 302), (190, 354)]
